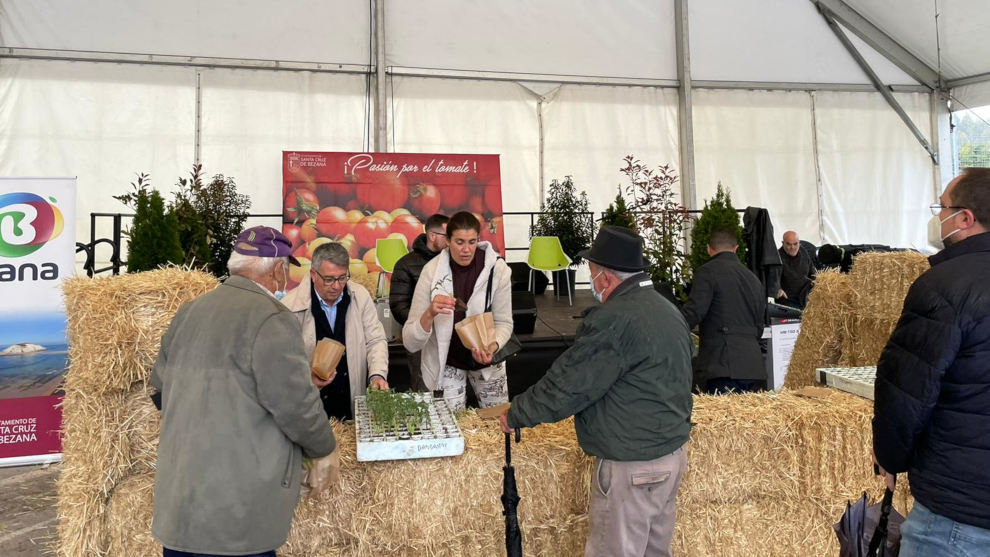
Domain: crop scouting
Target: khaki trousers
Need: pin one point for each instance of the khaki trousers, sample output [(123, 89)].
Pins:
[(633, 506)]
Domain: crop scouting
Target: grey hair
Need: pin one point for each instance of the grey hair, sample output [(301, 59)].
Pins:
[(332, 252), (623, 275), (252, 266)]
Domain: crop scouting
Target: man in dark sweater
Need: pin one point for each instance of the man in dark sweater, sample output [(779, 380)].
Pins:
[(931, 416), (727, 304), (797, 272), (404, 277)]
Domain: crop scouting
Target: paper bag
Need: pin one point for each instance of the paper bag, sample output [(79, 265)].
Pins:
[(477, 331), (320, 474), (469, 333), (326, 356)]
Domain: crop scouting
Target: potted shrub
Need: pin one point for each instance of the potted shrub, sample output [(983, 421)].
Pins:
[(617, 214), (661, 220), (718, 213), (154, 234), (566, 215)]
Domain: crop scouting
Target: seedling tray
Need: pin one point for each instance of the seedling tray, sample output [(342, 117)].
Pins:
[(438, 435), (856, 380)]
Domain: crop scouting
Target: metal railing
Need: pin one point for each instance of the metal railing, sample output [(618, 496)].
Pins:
[(116, 241)]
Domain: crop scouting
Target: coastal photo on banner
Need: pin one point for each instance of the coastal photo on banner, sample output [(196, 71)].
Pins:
[(37, 251), (357, 199)]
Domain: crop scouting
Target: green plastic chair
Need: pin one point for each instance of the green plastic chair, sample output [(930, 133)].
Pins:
[(388, 251), (546, 254)]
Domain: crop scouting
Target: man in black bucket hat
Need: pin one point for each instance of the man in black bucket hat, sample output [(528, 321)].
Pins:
[(627, 380)]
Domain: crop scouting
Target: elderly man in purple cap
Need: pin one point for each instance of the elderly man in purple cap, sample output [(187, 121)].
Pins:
[(238, 411)]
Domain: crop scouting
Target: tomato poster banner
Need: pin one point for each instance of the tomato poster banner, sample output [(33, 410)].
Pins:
[(358, 198), (37, 251)]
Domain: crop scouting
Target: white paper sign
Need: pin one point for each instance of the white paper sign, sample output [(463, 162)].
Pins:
[(783, 336)]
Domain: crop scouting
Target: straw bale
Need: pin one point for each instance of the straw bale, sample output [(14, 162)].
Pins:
[(367, 280), (768, 445), (95, 455), (880, 282), (142, 425), (128, 518), (770, 473), (115, 324), (819, 343), (451, 506)]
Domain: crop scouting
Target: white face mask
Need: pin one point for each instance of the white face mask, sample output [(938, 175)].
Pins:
[(935, 237), (280, 293), (595, 293)]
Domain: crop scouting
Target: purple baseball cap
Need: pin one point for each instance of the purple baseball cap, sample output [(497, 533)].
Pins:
[(264, 241)]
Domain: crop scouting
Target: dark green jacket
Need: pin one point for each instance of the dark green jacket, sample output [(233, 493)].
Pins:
[(626, 379)]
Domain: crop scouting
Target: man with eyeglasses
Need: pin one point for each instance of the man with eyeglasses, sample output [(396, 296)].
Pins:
[(931, 415), (328, 306), (404, 278)]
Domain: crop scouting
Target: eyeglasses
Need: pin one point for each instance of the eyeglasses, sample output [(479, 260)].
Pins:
[(937, 208), (342, 279), (440, 233)]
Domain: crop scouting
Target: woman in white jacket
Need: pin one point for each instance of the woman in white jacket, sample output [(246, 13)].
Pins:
[(454, 285)]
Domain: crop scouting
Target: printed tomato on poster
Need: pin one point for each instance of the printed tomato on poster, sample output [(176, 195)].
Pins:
[(359, 198)]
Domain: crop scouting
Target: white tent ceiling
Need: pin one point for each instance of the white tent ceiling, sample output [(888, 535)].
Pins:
[(963, 26)]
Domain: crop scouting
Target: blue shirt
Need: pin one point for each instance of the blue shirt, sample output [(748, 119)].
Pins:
[(330, 309)]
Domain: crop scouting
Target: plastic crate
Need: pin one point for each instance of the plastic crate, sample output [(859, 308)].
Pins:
[(438, 438), (856, 380)]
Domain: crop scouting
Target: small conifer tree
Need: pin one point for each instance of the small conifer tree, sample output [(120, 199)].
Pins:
[(718, 213), (154, 235)]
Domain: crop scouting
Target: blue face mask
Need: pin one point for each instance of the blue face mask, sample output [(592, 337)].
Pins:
[(279, 294), (594, 292)]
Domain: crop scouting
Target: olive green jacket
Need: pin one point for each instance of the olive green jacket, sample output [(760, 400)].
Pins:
[(626, 379), (238, 413)]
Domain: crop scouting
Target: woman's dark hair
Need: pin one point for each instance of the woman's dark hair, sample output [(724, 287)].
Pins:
[(463, 221)]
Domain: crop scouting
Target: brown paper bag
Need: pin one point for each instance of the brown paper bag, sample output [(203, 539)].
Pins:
[(326, 356), (469, 332), (320, 474), (487, 326), (477, 331)]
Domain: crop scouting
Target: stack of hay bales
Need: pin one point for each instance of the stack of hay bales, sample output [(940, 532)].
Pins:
[(769, 472), (110, 426), (850, 317), (820, 341)]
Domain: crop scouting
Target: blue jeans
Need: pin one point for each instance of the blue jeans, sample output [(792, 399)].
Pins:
[(166, 552), (925, 534)]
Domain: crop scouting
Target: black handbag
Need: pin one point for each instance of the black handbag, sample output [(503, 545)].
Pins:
[(512, 346)]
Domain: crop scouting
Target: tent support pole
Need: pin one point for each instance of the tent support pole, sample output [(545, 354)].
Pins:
[(685, 119)]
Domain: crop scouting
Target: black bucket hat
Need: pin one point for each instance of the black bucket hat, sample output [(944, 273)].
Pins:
[(617, 248)]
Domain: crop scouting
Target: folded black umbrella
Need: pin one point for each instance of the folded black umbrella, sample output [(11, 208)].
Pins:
[(510, 500), (870, 530)]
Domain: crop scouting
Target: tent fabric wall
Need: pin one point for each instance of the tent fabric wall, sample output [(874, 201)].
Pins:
[(104, 123), (480, 117), (877, 180), (250, 117), (588, 130), (759, 145)]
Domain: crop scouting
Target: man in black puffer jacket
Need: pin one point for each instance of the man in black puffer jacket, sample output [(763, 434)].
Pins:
[(932, 411), (404, 277)]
